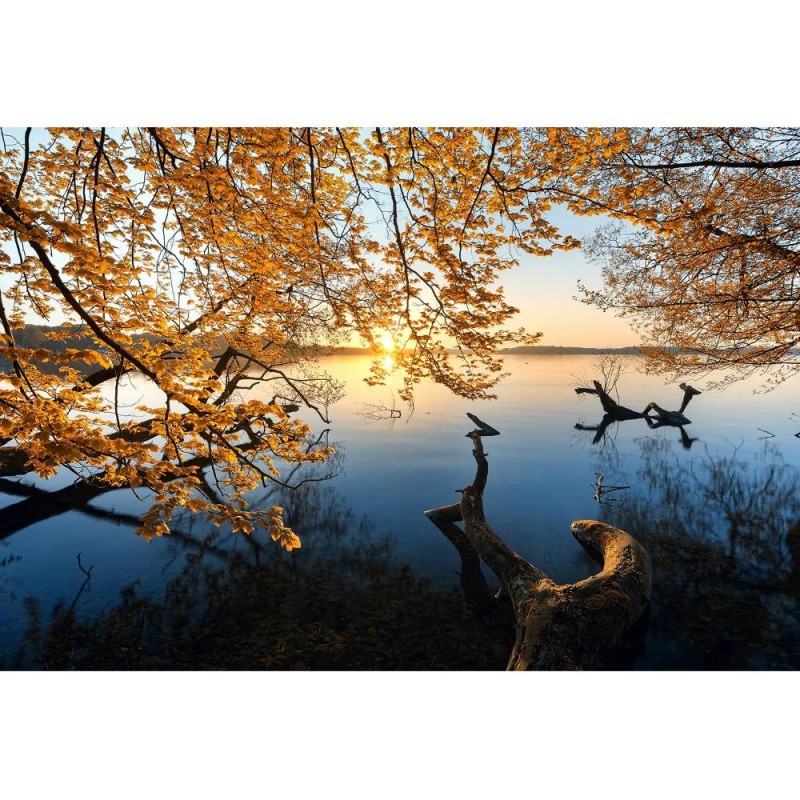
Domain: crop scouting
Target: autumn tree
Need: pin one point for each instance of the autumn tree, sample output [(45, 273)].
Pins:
[(704, 257), (209, 266)]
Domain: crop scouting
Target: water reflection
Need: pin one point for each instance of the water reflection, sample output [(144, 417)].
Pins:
[(724, 537), (654, 415), (341, 602), (41, 504), (542, 471)]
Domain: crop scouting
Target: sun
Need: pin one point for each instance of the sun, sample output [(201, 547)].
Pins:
[(386, 341)]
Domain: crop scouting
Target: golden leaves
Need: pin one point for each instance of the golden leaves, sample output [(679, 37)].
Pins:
[(710, 268), (199, 263)]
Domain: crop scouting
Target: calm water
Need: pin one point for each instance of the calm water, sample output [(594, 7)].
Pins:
[(717, 505)]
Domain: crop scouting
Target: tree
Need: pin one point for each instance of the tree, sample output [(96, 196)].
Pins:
[(706, 257), (206, 262)]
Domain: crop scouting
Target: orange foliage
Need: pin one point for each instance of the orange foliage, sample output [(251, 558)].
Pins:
[(706, 258), (208, 259)]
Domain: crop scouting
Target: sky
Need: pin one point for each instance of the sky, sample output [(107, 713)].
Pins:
[(544, 290)]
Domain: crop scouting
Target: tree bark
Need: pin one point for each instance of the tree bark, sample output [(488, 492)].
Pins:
[(558, 626)]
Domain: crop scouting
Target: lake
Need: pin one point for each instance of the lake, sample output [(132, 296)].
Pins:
[(717, 505)]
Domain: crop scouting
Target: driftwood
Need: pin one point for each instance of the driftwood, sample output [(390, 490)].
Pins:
[(654, 415), (619, 413), (610, 406), (558, 626), (674, 417)]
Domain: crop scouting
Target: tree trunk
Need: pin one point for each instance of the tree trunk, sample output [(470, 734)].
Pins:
[(558, 627)]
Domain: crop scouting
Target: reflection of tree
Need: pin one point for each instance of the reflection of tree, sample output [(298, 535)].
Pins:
[(379, 412), (341, 602), (725, 544), (41, 505)]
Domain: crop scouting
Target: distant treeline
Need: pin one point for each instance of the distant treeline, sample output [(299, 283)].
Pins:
[(344, 351), (527, 350), (35, 337), (549, 350)]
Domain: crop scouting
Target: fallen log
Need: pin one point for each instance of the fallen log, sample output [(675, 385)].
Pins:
[(557, 626), (674, 417), (654, 415), (610, 406)]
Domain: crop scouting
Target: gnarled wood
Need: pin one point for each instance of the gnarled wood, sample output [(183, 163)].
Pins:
[(617, 413), (610, 406), (674, 417), (558, 626)]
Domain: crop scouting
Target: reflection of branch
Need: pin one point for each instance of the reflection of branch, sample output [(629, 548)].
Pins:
[(601, 491), (379, 411), (473, 583), (76, 496), (42, 505), (87, 573), (686, 440), (724, 532), (600, 429), (84, 585)]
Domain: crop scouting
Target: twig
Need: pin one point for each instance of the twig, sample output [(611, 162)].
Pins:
[(87, 573), (84, 585), (601, 491)]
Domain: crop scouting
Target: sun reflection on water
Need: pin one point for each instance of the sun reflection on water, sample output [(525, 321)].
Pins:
[(388, 347)]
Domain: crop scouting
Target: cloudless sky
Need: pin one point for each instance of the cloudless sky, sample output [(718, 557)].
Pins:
[(544, 290)]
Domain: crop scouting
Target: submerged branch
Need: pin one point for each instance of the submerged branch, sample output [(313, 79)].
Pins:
[(569, 626)]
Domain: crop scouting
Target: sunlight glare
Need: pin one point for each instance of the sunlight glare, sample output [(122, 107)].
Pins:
[(387, 343)]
